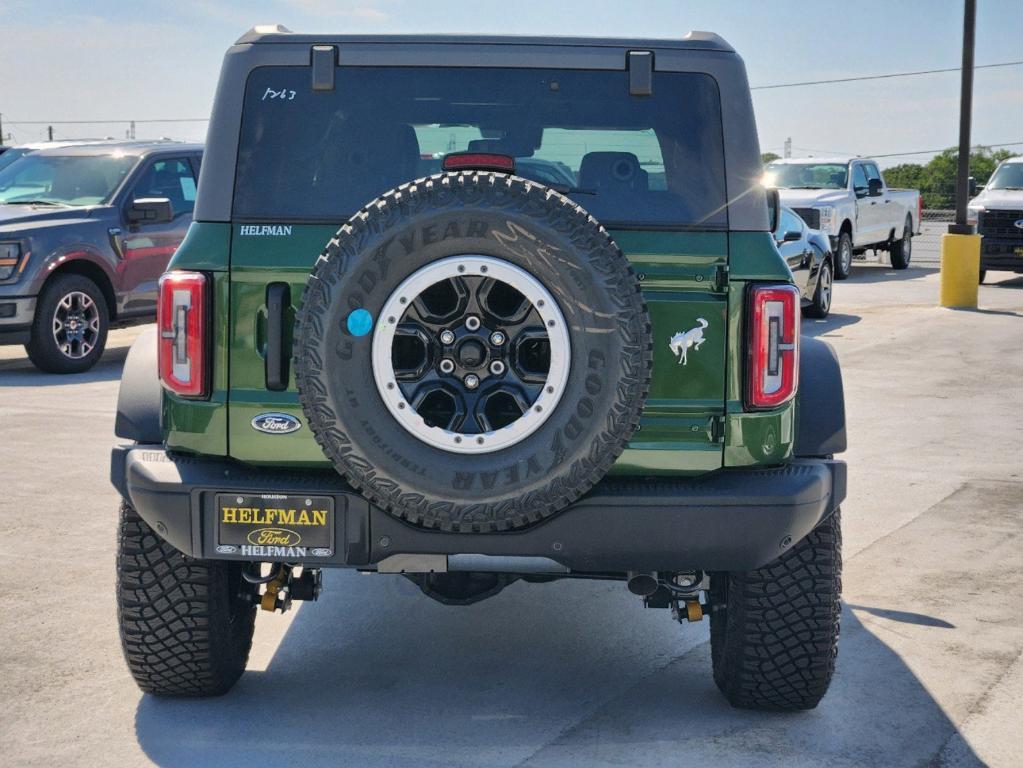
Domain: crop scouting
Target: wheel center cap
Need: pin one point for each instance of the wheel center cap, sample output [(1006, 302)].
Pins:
[(471, 353)]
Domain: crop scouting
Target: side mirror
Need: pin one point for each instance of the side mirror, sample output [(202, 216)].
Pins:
[(773, 209), (792, 236), (150, 210), (873, 187), (971, 187)]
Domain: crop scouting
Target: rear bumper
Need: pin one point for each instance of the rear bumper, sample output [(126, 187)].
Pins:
[(727, 520)]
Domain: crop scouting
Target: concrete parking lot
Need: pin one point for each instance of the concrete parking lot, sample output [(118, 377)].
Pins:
[(374, 674)]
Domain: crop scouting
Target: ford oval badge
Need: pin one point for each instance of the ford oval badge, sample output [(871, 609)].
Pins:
[(1018, 224), (276, 423)]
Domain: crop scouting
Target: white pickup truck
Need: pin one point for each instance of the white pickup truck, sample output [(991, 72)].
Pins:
[(848, 200), (998, 214)]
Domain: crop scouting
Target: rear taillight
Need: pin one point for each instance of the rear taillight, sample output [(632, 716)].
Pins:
[(182, 327), (773, 366)]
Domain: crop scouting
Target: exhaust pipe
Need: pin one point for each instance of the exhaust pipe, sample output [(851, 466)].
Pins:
[(642, 584)]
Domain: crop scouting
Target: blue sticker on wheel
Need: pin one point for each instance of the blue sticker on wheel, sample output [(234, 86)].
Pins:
[(360, 322)]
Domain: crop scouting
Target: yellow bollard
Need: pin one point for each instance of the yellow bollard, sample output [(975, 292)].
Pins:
[(960, 270)]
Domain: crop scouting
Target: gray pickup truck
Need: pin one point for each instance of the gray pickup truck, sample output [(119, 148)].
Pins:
[(85, 233)]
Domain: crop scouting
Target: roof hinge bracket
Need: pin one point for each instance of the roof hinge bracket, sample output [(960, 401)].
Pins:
[(324, 62), (721, 278), (641, 73)]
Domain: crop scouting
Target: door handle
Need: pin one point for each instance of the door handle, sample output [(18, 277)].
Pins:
[(278, 299)]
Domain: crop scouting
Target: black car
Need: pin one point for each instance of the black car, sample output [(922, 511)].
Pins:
[(808, 254)]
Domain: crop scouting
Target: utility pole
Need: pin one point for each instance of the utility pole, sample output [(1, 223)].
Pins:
[(131, 130), (787, 152), (960, 246), (49, 131), (1, 127)]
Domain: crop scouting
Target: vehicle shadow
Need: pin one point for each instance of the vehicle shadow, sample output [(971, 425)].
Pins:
[(573, 673), (1013, 281), (883, 273), (832, 322), (20, 372)]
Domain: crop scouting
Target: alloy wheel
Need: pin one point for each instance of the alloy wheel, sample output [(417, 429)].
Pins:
[(471, 354), (76, 325)]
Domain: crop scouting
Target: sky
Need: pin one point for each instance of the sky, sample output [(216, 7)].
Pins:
[(117, 61)]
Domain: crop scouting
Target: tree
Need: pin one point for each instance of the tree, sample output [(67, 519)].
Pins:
[(937, 180), (769, 157)]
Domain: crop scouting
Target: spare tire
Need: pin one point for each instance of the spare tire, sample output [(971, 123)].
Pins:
[(472, 352)]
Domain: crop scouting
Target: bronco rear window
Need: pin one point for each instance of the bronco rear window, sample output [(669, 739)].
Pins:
[(309, 155)]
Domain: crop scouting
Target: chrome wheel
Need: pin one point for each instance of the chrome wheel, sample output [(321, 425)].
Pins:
[(471, 354), (824, 283), (845, 256), (76, 325), (907, 244)]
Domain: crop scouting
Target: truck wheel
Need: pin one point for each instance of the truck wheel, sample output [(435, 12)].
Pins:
[(69, 330), (472, 352), (774, 642), (843, 256), (821, 304), (983, 274), (186, 625), (902, 250)]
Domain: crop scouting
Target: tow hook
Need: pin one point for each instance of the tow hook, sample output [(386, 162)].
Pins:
[(283, 586)]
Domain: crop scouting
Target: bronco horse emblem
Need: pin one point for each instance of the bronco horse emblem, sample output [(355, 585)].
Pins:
[(681, 342)]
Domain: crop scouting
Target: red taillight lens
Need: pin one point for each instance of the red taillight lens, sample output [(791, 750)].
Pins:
[(773, 367), (478, 161), (181, 327)]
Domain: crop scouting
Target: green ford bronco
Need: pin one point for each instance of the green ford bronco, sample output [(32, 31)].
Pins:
[(478, 310)]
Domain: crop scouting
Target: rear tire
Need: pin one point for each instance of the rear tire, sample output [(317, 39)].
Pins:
[(983, 274), (186, 627), (821, 305), (843, 256), (774, 642), (902, 250), (78, 305)]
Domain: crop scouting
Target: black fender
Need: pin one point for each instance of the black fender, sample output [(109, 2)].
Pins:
[(820, 401), (140, 399)]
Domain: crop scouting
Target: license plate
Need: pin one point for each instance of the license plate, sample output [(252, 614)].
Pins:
[(273, 525)]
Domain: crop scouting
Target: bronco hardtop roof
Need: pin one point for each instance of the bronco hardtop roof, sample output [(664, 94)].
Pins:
[(276, 33)]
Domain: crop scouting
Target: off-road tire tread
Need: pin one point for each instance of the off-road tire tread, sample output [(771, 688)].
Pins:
[(515, 194), (774, 645), (174, 616)]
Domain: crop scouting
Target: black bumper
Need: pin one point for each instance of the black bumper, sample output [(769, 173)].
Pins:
[(734, 519)]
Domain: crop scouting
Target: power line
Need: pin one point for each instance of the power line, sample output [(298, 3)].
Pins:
[(881, 77), (936, 151)]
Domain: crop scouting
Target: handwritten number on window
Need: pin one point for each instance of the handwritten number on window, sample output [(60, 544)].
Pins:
[(282, 95)]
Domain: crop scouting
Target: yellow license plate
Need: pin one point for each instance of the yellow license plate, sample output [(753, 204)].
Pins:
[(271, 526)]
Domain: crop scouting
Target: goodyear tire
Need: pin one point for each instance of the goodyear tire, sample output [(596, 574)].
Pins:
[(472, 352), (186, 625), (774, 633)]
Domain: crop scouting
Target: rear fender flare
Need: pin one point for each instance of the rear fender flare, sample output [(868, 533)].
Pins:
[(820, 402), (140, 398)]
